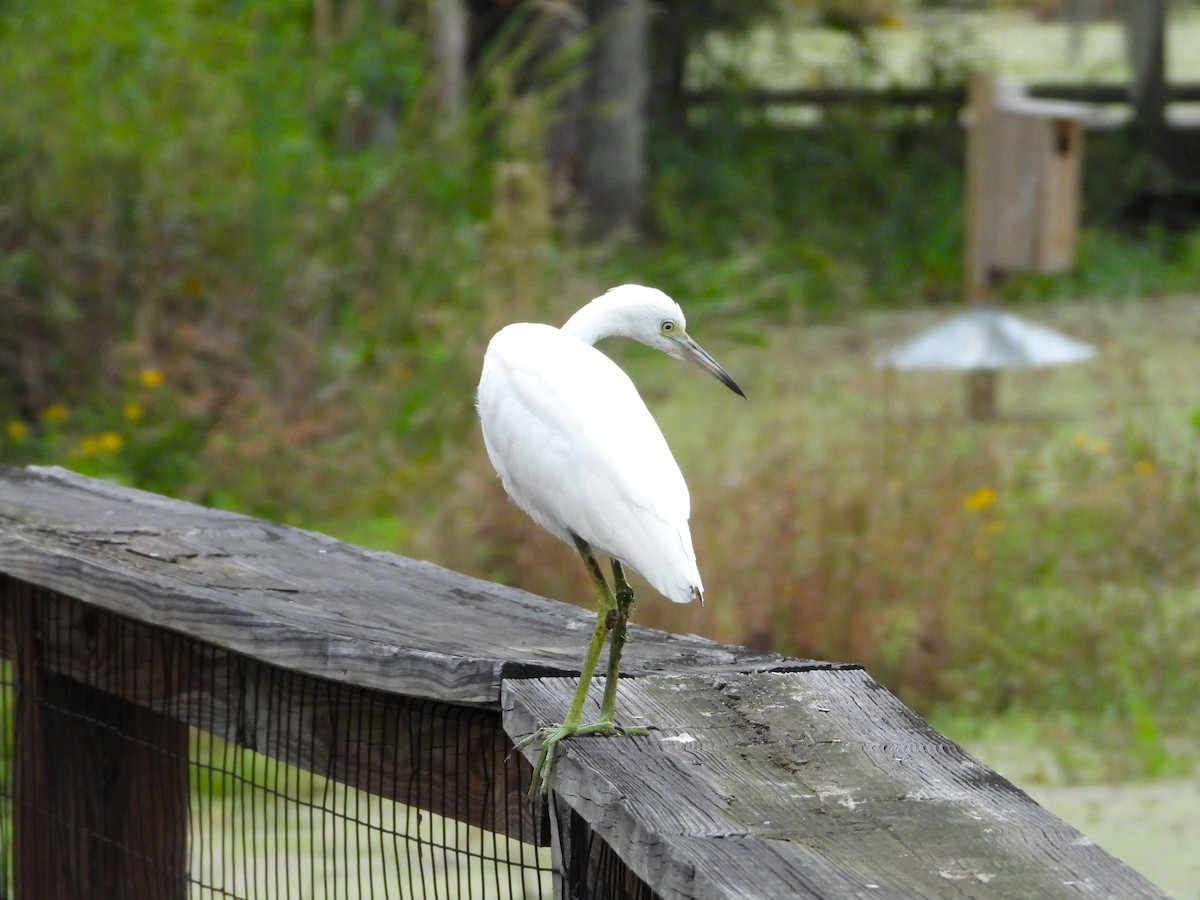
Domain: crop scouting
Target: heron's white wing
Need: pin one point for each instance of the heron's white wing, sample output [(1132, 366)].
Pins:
[(577, 449)]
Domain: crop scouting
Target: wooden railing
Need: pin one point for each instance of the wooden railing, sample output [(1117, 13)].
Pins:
[(128, 618)]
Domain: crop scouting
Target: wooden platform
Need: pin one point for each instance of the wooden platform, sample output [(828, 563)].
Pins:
[(807, 784), (308, 602), (766, 777)]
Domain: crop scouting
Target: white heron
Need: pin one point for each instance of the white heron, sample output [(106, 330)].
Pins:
[(576, 448)]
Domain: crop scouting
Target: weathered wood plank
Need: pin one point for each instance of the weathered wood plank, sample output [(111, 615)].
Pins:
[(807, 784), (307, 602), (768, 776), (450, 760)]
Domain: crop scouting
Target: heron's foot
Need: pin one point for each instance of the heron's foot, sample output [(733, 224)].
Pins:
[(552, 734)]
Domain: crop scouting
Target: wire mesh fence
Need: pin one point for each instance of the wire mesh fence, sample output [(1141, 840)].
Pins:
[(148, 764), (260, 828)]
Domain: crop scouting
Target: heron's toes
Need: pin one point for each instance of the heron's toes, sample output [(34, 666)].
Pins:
[(540, 734), (550, 737), (609, 727)]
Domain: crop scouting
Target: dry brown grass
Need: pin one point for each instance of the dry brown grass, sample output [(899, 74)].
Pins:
[(1048, 557)]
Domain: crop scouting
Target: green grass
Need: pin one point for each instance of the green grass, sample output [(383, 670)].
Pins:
[(1044, 564), (1099, 781)]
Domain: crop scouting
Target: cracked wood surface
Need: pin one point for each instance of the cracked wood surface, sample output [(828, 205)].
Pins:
[(767, 776), (305, 601), (806, 784)]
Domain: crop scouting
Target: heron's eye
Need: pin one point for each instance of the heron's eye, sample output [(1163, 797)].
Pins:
[(667, 326)]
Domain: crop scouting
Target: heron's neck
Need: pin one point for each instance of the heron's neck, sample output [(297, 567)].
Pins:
[(592, 323)]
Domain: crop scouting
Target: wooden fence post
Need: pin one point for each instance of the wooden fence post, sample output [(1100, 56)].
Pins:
[(100, 810), (587, 868), (1024, 165)]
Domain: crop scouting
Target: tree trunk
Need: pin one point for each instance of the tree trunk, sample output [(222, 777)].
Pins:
[(450, 39), (671, 35), (612, 171), (1145, 39)]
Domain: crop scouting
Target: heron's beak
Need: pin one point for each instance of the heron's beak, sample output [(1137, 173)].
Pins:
[(693, 352)]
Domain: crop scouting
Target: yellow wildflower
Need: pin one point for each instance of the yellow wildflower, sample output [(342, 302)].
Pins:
[(192, 285), (1096, 445), (55, 412), (1144, 466), (151, 377), (17, 431), (108, 442), (981, 498), (134, 411)]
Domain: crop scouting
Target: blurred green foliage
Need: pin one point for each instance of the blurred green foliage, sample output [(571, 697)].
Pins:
[(272, 215), (148, 439), (756, 203)]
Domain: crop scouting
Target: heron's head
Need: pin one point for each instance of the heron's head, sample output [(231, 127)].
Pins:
[(649, 316)]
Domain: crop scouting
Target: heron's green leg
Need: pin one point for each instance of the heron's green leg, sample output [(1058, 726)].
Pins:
[(623, 608), (611, 615), (605, 605)]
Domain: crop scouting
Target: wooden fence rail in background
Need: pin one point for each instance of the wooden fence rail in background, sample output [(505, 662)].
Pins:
[(127, 617), (948, 96)]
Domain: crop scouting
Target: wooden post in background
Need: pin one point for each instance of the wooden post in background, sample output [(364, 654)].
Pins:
[(1024, 167), (1146, 47), (612, 170), (450, 38), (977, 269)]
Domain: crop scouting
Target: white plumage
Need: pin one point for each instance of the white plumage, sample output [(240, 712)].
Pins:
[(575, 445), (581, 454), (576, 448)]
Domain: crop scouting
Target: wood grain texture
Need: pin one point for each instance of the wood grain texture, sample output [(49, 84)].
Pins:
[(1024, 159), (807, 784), (767, 777), (448, 759), (307, 602)]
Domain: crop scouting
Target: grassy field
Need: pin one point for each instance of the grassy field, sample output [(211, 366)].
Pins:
[(1153, 826), (1030, 582), (1045, 560), (261, 828)]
